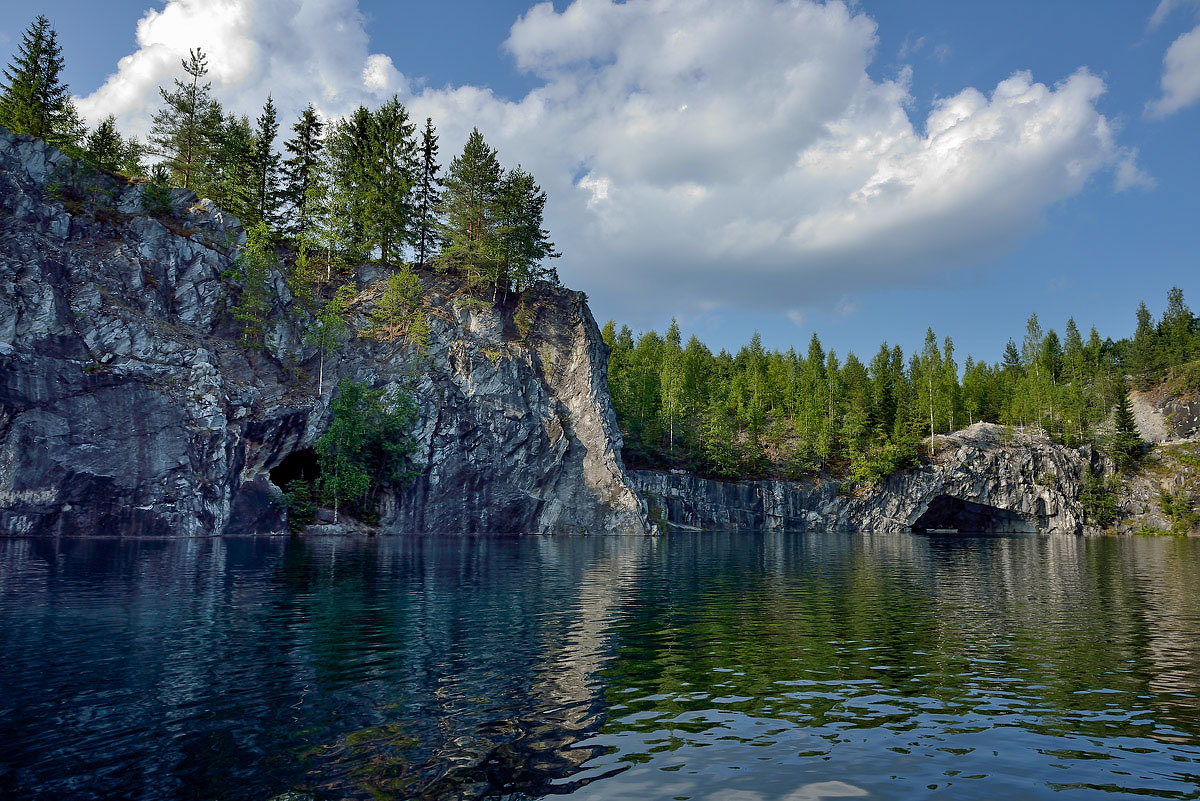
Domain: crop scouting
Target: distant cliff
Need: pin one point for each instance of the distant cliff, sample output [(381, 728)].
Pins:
[(127, 406), (982, 479)]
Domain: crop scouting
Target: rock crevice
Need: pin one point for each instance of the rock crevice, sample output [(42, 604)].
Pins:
[(128, 407)]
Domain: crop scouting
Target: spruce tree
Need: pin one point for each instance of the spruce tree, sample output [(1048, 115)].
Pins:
[(181, 129), (1126, 442), (350, 151), (390, 177), (1145, 354), (133, 158), (264, 195), (469, 207), (104, 147), (228, 175), (524, 243), (298, 169), (426, 237), (33, 98)]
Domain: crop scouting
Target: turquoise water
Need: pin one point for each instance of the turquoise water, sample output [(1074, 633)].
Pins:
[(742, 667)]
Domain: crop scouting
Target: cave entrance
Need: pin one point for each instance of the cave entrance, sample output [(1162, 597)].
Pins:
[(301, 465), (947, 514)]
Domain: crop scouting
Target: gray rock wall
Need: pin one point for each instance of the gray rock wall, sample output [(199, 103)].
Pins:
[(128, 407), (1025, 484)]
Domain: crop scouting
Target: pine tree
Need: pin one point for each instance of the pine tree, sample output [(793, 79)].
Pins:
[(181, 130), (264, 194), (426, 236), (469, 206), (33, 98), (305, 148)]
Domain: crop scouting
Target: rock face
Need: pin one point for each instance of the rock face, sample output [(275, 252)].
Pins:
[(128, 407), (1164, 417), (981, 480)]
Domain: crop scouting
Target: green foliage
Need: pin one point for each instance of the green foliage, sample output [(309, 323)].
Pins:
[(1180, 509), (427, 239), (368, 447), (155, 198), (757, 412), (398, 311), (491, 222), (182, 130), (328, 327), (33, 98), (300, 170), (1098, 498), (1125, 445), (253, 272), (104, 147), (299, 502)]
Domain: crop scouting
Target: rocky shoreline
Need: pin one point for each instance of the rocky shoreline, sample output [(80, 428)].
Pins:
[(129, 408)]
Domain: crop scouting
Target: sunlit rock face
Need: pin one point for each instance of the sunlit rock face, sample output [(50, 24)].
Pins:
[(983, 479), (129, 407)]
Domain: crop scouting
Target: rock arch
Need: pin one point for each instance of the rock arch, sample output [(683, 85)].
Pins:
[(947, 512)]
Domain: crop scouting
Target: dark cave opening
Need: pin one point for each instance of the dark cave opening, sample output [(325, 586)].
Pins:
[(950, 514), (301, 465)]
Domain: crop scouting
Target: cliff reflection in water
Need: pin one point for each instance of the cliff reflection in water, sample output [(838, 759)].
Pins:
[(706, 666)]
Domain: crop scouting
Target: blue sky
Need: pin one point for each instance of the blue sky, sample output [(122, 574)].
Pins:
[(877, 227)]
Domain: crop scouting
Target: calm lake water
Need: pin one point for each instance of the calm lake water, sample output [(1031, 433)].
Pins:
[(733, 667)]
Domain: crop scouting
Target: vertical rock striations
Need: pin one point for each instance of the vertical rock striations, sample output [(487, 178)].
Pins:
[(982, 480), (127, 406)]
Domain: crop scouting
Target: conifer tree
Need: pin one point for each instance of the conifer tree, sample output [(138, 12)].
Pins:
[(227, 174), (391, 175), (182, 129), (253, 272), (1126, 442), (133, 158), (264, 193), (350, 151), (298, 169), (524, 243), (104, 147), (1144, 354), (426, 236), (469, 205), (33, 98)]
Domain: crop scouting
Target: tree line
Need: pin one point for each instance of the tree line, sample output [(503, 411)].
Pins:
[(760, 413), (332, 195)]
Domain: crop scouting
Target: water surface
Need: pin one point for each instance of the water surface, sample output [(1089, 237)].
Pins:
[(736, 667)]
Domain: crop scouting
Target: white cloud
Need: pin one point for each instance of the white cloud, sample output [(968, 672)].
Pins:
[(298, 50), (709, 153), (1129, 176), (1181, 75), (1165, 8)]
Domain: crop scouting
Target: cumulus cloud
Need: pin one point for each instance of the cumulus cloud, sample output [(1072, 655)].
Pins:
[(298, 50), (699, 153), (717, 153), (1181, 75)]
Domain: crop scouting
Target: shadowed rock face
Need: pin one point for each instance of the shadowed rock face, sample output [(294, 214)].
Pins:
[(981, 480), (127, 406)]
